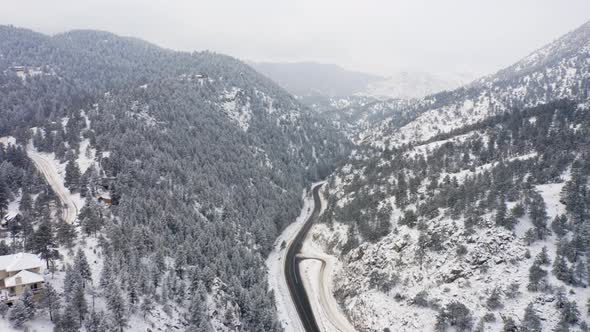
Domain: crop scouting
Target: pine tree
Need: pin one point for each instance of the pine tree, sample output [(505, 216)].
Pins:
[(78, 300), (531, 321), (50, 300), (90, 217), (97, 322), (510, 325), (117, 307), (29, 303), (72, 178), (580, 273), (26, 202), (147, 306), (501, 218), (67, 321), (559, 225), (197, 316), (3, 309), (65, 233), (4, 196), (561, 270), (538, 215), (106, 274), (543, 258), (536, 275), (43, 241), (81, 264), (495, 300), (575, 195)]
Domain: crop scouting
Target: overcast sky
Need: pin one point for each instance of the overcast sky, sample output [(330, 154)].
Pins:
[(379, 36)]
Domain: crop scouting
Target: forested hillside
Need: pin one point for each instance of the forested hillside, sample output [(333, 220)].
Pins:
[(469, 211), (205, 161), (469, 228)]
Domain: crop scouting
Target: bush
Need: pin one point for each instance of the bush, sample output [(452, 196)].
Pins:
[(495, 300), (421, 299), (461, 250), (513, 290), (489, 317), (454, 314)]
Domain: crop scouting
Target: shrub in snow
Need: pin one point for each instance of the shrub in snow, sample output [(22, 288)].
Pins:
[(513, 290), (421, 299), (3, 309), (29, 303), (509, 325), (18, 314), (454, 314), (461, 250), (531, 321), (489, 317), (536, 277), (494, 301)]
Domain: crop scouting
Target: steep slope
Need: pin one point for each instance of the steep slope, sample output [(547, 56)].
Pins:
[(468, 210), (203, 158), (478, 229), (558, 70)]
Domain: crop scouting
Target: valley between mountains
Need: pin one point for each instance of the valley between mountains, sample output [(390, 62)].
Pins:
[(159, 190)]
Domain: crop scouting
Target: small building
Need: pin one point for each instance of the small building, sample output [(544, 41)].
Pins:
[(19, 272), (105, 198)]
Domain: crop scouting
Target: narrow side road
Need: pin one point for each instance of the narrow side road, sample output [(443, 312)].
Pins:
[(293, 273), (47, 168)]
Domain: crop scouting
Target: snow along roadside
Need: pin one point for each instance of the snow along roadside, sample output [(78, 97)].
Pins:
[(276, 267), (318, 268)]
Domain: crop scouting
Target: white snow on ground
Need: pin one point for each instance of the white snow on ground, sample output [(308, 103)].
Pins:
[(86, 156), (240, 114), (13, 208), (7, 140)]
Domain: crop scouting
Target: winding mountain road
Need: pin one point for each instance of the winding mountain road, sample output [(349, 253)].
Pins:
[(293, 273), (322, 312)]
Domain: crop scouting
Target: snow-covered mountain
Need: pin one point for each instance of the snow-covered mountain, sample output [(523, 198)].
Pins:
[(310, 80), (408, 85), (172, 172), (468, 210), (556, 71)]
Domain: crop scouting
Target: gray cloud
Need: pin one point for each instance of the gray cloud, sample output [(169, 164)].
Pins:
[(372, 35)]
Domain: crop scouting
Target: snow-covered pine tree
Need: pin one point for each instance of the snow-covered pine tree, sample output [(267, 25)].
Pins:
[(81, 264), (50, 300)]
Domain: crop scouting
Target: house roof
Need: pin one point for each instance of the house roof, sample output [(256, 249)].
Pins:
[(26, 277), (20, 261)]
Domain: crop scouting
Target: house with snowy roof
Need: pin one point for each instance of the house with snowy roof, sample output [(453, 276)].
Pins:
[(19, 272)]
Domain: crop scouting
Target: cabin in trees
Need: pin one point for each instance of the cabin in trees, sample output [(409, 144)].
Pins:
[(105, 198), (19, 69), (19, 272)]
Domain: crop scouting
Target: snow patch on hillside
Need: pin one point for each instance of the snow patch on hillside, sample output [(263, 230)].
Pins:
[(237, 110)]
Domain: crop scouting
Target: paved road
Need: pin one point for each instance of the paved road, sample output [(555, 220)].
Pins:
[(293, 274)]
